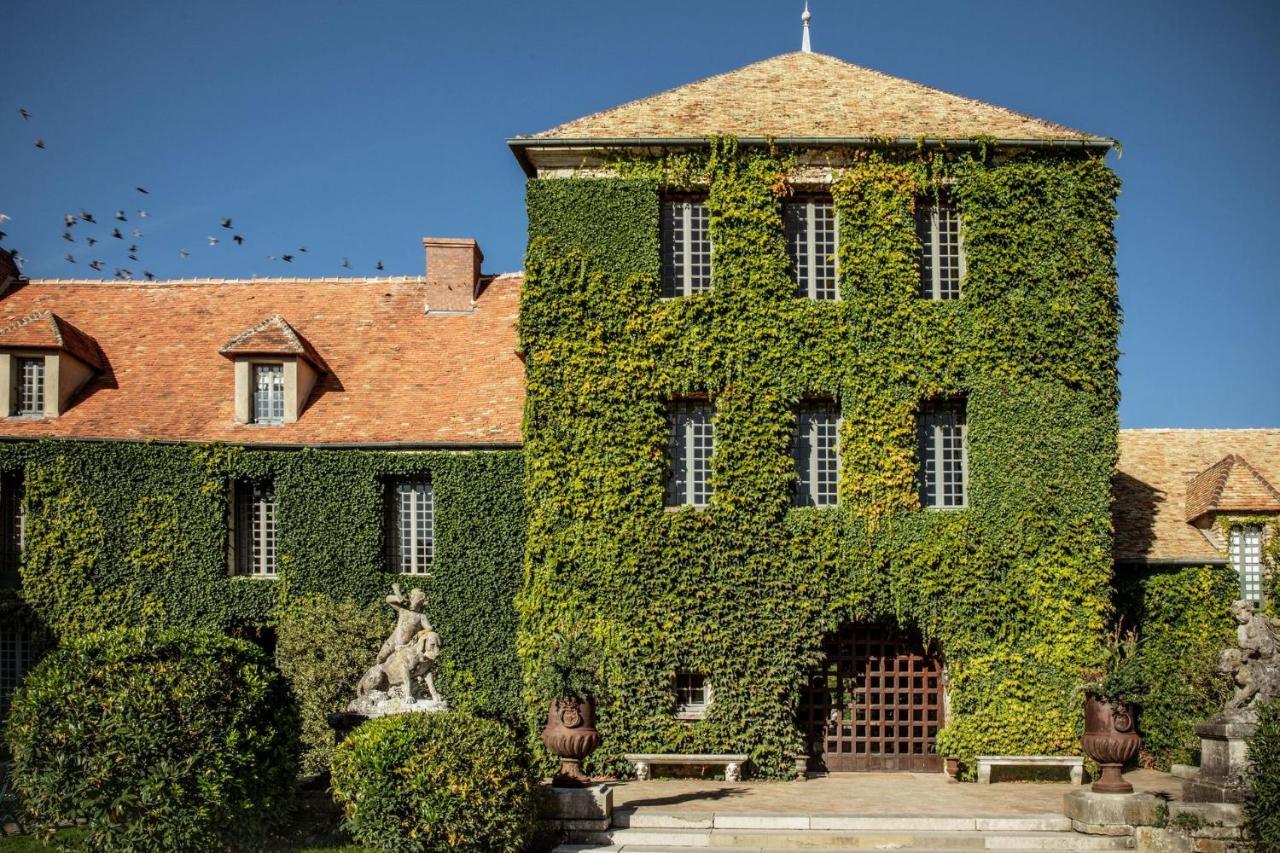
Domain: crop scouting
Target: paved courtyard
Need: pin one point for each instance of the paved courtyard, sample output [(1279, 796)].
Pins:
[(880, 794)]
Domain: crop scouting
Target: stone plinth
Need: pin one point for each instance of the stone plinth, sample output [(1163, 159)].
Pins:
[(1224, 763), (1109, 814), (570, 809)]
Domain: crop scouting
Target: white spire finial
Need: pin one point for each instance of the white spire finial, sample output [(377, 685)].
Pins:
[(804, 40)]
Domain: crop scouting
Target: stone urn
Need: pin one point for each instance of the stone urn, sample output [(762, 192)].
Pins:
[(571, 735), (1110, 738)]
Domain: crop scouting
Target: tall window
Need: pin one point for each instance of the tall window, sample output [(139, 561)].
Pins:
[(942, 262), (1246, 558), (689, 453), (686, 247), (811, 237), (17, 655), (815, 448), (413, 526), (254, 522), (944, 465), (13, 528), (28, 387), (268, 393)]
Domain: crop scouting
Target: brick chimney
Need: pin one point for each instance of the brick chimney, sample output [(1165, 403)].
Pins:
[(453, 273)]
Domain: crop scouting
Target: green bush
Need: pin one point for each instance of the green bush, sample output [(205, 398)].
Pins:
[(443, 781), (1262, 808), (171, 740), (323, 647)]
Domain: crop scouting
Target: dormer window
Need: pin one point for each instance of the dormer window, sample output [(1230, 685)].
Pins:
[(44, 361), (275, 372)]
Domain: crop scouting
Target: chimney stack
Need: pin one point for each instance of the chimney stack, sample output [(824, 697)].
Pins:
[(453, 273)]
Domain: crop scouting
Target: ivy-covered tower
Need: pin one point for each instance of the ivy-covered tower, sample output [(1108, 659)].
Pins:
[(821, 372)]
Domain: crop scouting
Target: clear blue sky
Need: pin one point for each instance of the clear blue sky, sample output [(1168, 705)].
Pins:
[(355, 128)]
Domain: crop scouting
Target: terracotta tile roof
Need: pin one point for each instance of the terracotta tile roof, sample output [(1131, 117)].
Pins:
[(273, 336), (395, 374), (809, 96), (1167, 476), (46, 330)]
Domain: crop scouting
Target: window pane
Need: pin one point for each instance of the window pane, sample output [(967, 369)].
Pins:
[(413, 537), (811, 237), (690, 445), (268, 393), (1246, 558), (686, 248), (12, 528), (815, 448), (943, 462), (255, 520), (691, 691), (941, 253), (28, 387)]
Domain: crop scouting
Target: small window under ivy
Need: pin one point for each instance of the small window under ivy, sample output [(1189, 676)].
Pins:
[(693, 695), (13, 528), (412, 525)]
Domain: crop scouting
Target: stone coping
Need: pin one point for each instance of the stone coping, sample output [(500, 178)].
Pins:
[(686, 758)]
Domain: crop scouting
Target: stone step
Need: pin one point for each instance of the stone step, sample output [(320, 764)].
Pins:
[(631, 819), (828, 839)]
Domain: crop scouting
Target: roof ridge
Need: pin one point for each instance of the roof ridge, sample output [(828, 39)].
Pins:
[(1258, 476)]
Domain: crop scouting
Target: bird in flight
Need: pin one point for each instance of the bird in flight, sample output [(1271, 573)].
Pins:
[(142, 190), (40, 143), (70, 259), (120, 216), (97, 265), (149, 275), (4, 217), (346, 263), (92, 240), (87, 216), (137, 232), (302, 249), (115, 232), (133, 256), (226, 223), (23, 112), (182, 253), (142, 214), (70, 220), (66, 235), (288, 259), (378, 266), (213, 241), (239, 240)]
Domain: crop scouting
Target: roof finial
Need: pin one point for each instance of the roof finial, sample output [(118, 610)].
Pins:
[(804, 40)]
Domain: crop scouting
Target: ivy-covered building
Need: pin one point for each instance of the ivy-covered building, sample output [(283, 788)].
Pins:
[(804, 408)]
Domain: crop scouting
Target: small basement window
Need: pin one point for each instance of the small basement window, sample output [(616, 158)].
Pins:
[(693, 695)]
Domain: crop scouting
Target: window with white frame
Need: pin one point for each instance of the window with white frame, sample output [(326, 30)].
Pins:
[(686, 247), (254, 528), (1246, 559), (28, 387), (692, 440), (942, 262), (944, 464), (413, 526), (816, 450), (812, 238), (268, 393), (13, 527), (693, 695)]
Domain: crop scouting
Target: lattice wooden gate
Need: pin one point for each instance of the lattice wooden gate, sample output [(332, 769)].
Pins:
[(874, 703)]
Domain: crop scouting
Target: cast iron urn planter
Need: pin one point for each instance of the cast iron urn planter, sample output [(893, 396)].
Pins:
[(571, 735), (1110, 738)]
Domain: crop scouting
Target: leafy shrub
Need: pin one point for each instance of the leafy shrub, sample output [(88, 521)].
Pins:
[(447, 781), (1262, 807), (1122, 679), (173, 740), (323, 647), (571, 668)]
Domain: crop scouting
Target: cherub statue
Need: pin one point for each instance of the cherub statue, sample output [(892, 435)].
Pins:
[(1254, 663), (407, 660)]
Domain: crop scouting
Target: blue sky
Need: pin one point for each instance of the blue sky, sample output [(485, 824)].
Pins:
[(356, 128)]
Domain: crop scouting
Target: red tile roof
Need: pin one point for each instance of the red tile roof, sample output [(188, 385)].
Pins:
[(394, 373), (273, 336), (46, 330), (1167, 477)]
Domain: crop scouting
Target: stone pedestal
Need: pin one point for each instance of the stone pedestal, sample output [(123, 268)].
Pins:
[(1224, 763), (573, 809), (1109, 814)]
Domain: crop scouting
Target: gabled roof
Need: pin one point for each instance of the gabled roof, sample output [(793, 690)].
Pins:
[(273, 336), (1167, 478), (807, 96), (395, 374), (46, 330)]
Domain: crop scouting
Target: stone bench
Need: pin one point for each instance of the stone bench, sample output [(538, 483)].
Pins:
[(644, 763), (1074, 762)]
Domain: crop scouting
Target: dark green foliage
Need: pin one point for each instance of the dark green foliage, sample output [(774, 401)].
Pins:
[(322, 648), (1262, 807), (443, 781), (134, 534), (1121, 678), (571, 667), (1013, 591), (1183, 623), (169, 740)]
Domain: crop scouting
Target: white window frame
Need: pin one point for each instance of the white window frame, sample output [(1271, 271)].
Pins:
[(811, 416), (682, 253), (29, 396), (254, 529), (684, 487), (274, 396), (931, 252), (1245, 550), (413, 501), (932, 438), (807, 265), (692, 710)]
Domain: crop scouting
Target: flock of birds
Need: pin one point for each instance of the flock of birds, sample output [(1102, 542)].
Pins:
[(77, 223)]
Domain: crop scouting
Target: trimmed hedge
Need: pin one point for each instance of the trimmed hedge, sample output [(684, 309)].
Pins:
[(441, 781), (172, 740)]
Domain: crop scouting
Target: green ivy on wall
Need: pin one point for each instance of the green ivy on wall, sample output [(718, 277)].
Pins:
[(132, 534), (1013, 591)]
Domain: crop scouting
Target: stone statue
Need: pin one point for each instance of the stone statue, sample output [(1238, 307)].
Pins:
[(1254, 663), (406, 663)]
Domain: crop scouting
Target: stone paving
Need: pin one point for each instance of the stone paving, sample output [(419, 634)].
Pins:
[(896, 794)]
